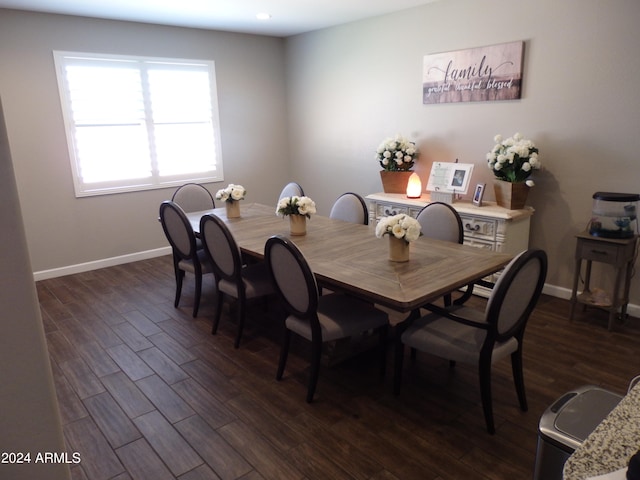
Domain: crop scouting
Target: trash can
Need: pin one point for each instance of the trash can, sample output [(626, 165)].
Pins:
[(566, 424)]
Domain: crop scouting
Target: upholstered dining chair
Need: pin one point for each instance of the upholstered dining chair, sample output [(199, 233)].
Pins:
[(316, 318), (233, 279), (350, 207), (291, 189), (193, 197), (186, 256), (463, 334), (441, 221)]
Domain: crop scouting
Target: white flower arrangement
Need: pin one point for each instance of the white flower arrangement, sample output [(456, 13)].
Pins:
[(400, 226), (296, 206), (397, 153), (232, 193), (513, 159)]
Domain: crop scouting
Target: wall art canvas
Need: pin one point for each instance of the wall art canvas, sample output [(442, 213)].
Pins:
[(474, 75)]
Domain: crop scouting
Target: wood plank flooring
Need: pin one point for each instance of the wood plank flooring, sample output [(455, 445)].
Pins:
[(146, 392)]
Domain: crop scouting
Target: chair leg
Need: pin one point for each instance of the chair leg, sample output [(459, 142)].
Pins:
[(196, 300), (241, 315), (179, 277), (485, 393), (399, 349), (218, 312), (518, 378), (284, 353), (316, 352)]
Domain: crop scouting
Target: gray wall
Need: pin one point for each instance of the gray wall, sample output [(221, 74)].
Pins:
[(351, 86), (314, 107), (63, 230)]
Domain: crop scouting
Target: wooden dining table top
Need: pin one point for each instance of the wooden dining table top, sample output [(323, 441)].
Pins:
[(349, 257)]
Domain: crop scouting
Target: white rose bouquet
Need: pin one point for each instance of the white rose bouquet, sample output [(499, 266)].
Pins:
[(513, 159), (296, 206), (400, 226), (232, 193), (397, 153)]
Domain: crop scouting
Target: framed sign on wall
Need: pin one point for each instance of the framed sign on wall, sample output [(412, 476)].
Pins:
[(473, 75)]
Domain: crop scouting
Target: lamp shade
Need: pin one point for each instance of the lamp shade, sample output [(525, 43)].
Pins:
[(414, 186)]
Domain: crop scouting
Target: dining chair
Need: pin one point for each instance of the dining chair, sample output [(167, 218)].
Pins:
[(193, 197), (233, 279), (466, 335), (441, 221), (316, 318), (186, 256), (350, 207), (291, 189)]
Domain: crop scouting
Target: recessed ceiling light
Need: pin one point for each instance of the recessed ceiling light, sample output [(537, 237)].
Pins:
[(263, 16)]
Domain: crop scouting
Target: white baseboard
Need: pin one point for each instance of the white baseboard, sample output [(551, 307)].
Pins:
[(561, 292), (106, 262)]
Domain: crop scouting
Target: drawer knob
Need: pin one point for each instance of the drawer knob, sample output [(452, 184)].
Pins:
[(598, 252), (475, 228)]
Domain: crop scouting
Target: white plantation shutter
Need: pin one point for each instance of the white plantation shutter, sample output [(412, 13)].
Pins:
[(136, 124)]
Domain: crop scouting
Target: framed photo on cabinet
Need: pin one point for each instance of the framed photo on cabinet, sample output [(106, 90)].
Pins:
[(478, 194)]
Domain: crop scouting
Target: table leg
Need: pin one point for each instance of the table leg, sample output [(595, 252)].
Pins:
[(587, 282), (615, 301)]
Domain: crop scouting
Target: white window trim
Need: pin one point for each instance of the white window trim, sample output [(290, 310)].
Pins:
[(155, 181)]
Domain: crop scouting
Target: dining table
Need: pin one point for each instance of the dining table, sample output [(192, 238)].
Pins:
[(348, 257)]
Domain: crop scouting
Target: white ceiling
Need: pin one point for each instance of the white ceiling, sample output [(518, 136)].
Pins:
[(288, 17)]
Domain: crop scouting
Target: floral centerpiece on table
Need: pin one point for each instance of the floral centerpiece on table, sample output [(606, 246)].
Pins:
[(296, 206), (232, 193), (397, 154), (401, 226), (513, 159)]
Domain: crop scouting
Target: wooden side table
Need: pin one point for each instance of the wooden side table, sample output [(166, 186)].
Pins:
[(620, 253)]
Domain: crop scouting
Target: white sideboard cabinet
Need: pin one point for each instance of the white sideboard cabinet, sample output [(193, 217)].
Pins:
[(488, 226)]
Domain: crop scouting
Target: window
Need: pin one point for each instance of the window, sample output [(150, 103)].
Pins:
[(138, 123)]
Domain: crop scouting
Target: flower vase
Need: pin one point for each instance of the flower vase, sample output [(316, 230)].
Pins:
[(398, 249), (395, 181), (233, 208), (298, 224), (511, 195)]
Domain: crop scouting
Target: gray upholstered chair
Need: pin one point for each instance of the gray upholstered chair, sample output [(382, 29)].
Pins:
[(243, 283), (316, 318), (350, 207), (466, 335), (442, 222), (193, 197), (291, 189), (186, 256)]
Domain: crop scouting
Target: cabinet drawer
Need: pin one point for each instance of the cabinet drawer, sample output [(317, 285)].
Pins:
[(474, 242), (479, 228), (387, 209), (598, 251)]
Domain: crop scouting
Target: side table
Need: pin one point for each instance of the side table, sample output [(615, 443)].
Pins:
[(620, 253)]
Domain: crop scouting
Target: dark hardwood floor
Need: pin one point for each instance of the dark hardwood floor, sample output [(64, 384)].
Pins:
[(145, 391)]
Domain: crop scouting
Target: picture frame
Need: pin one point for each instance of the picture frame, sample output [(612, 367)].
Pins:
[(481, 74), (446, 177), (478, 193)]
